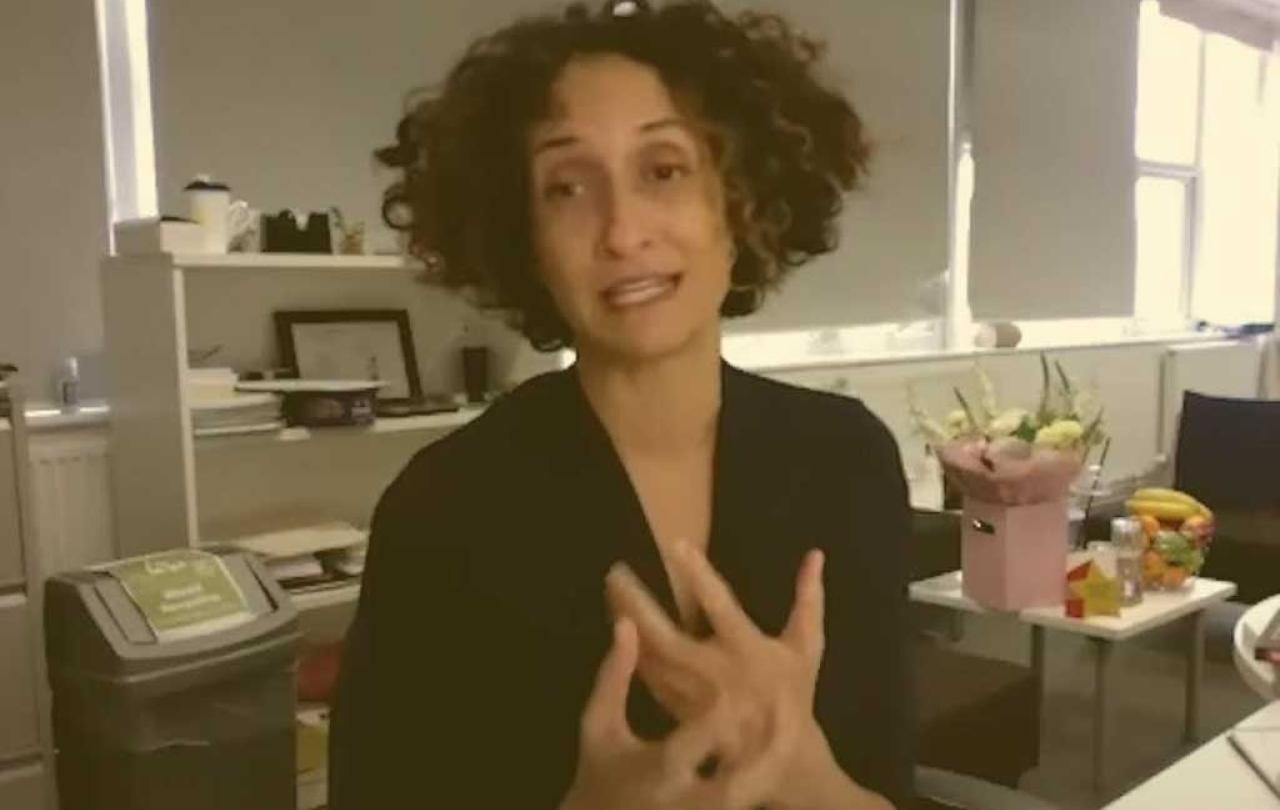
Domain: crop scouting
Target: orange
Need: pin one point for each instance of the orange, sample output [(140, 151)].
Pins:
[(1153, 567), (1174, 576), (1150, 525)]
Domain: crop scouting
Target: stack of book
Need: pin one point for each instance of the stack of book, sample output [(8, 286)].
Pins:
[(217, 409), (312, 557)]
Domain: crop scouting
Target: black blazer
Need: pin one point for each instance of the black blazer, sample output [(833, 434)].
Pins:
[(482, 619)]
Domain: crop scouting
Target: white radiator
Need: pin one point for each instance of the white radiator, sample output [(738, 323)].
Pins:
[(71, 490), (1218, 369)]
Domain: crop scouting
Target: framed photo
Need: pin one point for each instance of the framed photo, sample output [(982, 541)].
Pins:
[(364, 344)]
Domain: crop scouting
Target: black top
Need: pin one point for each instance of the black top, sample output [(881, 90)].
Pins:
[(482, 619)]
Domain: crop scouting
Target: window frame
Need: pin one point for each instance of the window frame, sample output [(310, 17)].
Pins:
[(1192, 177)]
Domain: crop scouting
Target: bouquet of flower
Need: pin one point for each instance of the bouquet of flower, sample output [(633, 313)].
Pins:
[(1011, 455)]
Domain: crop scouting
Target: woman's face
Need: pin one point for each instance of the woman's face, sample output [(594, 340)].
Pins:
[(628, 213)]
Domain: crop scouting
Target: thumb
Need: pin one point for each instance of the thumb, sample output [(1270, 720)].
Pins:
[(606, 712), (804, 630)]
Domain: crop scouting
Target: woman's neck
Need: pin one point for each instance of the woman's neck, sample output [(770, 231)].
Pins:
[(660, 407)]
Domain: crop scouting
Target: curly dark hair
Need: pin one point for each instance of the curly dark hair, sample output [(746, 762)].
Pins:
[(787, 146)]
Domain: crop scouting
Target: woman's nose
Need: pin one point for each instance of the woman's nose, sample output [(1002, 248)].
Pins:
[(625, 229)]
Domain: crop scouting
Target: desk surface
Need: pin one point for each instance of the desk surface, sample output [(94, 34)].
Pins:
[(1157, 608), (1212, 776)]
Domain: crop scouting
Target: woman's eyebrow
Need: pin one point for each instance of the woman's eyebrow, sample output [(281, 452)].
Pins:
[(666, 123), (560, 141), (555, 143)]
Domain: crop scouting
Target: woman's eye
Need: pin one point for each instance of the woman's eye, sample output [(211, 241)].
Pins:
[(562, 190), (665, 172)]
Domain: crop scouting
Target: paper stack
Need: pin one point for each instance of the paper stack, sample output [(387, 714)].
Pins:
[(218, 409), (309, 557)]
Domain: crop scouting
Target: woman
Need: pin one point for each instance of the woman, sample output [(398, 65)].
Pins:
[(618, 181)]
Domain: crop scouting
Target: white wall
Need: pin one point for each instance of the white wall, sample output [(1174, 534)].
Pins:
[(287, 100), (53, 213)]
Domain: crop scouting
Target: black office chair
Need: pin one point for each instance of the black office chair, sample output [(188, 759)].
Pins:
[(953, 791), (1228, 456)]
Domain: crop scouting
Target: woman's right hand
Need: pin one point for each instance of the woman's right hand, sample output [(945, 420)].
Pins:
[(619, 771)]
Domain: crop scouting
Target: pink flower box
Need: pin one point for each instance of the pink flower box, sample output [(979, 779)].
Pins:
[(1014, 557)]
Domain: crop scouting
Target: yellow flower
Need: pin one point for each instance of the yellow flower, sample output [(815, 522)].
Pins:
[(1061, 435)]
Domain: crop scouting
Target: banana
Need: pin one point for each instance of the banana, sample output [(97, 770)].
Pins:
[(1160, 494), (1162, 510)]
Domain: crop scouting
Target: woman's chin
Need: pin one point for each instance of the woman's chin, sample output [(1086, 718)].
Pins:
[(650, 342)]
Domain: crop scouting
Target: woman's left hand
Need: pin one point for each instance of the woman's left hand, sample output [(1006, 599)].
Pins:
[(767, 682)]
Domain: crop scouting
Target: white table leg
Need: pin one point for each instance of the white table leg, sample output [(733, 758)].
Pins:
[(1195, 675), (1101, 711)]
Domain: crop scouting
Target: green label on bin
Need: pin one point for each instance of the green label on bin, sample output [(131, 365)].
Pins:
[(182, 593)]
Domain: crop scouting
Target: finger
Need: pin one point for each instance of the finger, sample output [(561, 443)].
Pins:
[(605, 716), (628, 597), (750, 784), (681, 692), (715, 596), (804, 630), (687, 748)]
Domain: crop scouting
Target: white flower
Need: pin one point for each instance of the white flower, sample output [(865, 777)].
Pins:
[(1061, 435), (958, 422), (1007, 422)]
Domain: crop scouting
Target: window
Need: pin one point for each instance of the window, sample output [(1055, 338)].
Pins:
[(1208, 175), (1170, 58)]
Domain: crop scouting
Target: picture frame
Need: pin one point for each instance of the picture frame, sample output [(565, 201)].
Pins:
[(352, 344)]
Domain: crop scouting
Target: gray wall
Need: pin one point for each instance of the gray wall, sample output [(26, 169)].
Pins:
[(53, 209)]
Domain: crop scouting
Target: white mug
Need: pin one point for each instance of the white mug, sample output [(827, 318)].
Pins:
[(220, 218)]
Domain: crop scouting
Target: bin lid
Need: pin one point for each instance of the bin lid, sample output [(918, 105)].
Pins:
[(149, 615)]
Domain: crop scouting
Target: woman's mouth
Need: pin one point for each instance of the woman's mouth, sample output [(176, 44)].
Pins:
[(637, 291)]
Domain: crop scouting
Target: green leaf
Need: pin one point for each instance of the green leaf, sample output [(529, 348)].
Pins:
[(1093, 433), (1042, 413), (1026, 431), (968, 412), (989, 405), (1068, 392)]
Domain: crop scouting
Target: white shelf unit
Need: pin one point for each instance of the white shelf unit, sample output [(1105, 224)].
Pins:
[(173, 489), (26, 736), (402, 424)]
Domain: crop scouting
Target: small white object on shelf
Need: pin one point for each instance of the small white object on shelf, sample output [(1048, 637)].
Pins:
[(151, 235)]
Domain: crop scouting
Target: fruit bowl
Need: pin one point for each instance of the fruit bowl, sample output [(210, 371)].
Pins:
[(1177, 531)]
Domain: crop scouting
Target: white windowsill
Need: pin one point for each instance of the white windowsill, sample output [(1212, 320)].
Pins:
[(806, 351)]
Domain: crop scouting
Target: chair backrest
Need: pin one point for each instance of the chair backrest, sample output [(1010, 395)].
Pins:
[(1229, 451)]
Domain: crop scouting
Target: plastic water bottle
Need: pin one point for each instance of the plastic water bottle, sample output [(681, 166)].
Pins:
[(1126, 539)]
